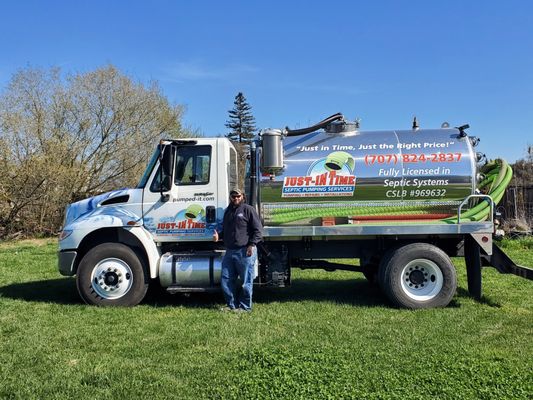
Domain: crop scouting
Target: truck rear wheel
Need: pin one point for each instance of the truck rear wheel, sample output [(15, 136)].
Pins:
[(111, 274), (418, 275)]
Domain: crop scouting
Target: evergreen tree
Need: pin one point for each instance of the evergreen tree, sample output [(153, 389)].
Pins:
[(241, 121)]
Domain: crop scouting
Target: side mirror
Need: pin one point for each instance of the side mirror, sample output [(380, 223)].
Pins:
[(166, 162)]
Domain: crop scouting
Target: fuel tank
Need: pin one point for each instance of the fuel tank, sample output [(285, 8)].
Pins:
[(367, 176), (200, 269)]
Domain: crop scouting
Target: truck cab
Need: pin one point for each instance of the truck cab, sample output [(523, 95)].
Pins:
[(117, 242)]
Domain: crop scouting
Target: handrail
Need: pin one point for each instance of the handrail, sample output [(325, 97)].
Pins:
[(479, 196)]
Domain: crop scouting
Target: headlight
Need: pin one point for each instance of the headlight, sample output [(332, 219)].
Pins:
[(65, 233)]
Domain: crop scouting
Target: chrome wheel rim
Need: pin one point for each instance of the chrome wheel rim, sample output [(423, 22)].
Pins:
[(111, 278), (422, 279)]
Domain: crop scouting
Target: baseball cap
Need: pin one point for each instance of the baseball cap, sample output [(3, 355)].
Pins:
[(236, 191)]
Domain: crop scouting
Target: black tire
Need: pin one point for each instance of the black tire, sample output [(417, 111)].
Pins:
[(112, 274), (418, 275), (384, 261)]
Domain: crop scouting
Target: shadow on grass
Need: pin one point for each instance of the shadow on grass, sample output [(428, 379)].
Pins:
[(484, 299), (60, 291), (357, 292)]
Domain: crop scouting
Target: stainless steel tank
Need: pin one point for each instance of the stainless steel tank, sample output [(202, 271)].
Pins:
[(411, 174)]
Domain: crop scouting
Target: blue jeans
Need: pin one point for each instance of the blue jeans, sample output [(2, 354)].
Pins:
[(236, 264)]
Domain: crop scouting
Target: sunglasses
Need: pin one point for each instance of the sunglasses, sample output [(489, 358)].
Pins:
[(236, 196)]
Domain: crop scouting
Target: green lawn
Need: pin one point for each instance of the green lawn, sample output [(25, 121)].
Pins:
[(330, 335)]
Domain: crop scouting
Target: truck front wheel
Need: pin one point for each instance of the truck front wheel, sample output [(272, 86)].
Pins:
[(418, 275), (111, 274)]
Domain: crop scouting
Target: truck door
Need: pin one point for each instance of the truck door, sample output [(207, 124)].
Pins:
[(189, 188)]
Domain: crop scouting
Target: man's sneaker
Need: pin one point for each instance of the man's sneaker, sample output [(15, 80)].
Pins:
[(227, 309), (241, 311)]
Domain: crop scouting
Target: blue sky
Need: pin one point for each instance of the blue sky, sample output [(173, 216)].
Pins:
[(298, 62)]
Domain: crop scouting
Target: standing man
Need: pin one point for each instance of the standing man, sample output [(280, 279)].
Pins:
[(241, 232)]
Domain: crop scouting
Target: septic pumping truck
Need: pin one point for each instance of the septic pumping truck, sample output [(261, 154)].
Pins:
[(401, 201)]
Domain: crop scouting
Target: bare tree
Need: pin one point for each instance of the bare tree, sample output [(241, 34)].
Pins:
[(67, 137)]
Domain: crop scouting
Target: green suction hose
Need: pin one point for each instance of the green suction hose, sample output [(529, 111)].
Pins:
[(499, 180)]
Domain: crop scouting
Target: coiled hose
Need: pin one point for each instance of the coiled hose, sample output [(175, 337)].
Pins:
[(497, 175)]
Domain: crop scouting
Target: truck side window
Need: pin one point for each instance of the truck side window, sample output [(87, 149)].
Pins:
[(193, 165)]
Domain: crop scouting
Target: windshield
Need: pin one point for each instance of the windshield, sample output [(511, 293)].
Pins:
[(148, 169)]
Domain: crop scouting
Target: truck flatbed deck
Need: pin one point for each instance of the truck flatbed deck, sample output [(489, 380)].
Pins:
[(372, 229)]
